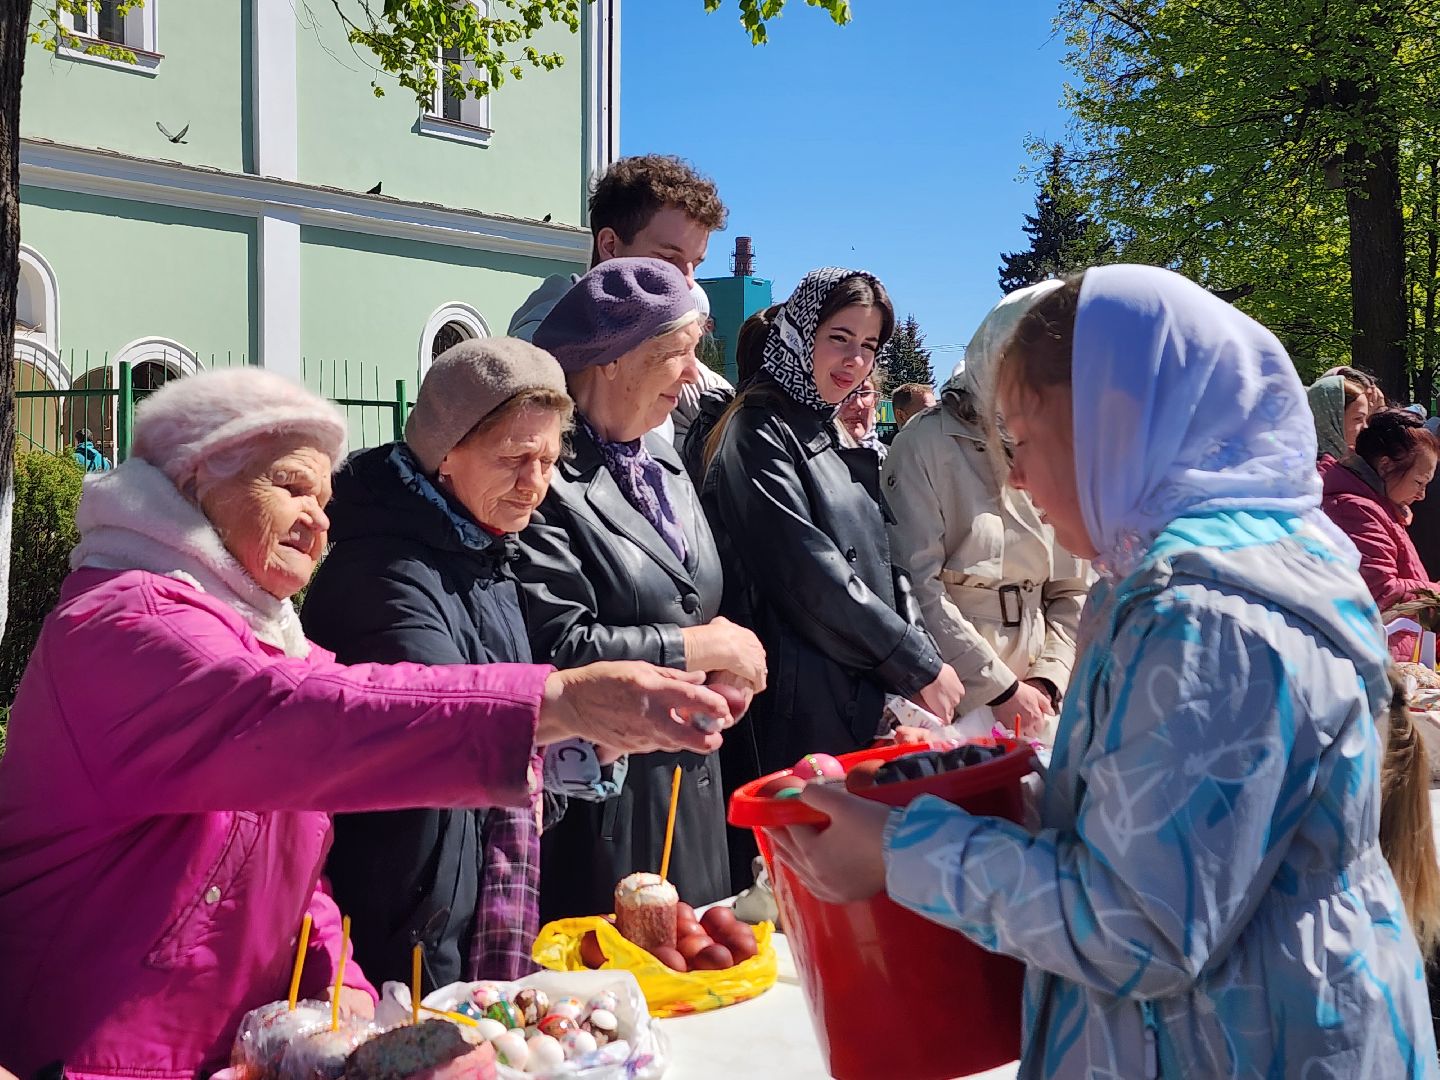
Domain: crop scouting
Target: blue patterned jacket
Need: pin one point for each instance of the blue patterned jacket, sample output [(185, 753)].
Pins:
[(1206, 896)]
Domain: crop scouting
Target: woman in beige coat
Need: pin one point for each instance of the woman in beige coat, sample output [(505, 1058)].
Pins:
[(1001, 598)]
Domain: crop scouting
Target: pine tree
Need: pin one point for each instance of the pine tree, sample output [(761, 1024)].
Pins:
[(905, 358), (1063, 240)]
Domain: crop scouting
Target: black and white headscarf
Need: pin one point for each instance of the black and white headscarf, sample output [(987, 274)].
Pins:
[(790, 346)]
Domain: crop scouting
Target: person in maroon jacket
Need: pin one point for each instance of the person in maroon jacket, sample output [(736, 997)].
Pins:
[(1368, 495)]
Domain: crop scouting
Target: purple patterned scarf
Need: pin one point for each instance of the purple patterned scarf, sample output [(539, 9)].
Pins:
[(642, 482)]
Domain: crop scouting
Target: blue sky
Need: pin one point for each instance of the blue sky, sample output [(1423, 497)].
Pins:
[(892, 144)]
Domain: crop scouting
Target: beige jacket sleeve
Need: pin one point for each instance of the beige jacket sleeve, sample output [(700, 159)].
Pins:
[(918, 534)]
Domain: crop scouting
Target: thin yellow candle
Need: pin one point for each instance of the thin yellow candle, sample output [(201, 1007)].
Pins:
[(299, 960), (339, 974), (459, 1018), (416, 955), (670, 824)]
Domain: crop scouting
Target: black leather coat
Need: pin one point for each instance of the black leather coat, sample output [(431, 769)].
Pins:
[(801, 527), (599, 583)]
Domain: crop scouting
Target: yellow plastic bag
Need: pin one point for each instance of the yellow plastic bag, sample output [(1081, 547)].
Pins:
[(667, 992)]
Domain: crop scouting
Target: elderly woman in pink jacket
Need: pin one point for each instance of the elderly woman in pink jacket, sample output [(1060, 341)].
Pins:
[(177, 745)]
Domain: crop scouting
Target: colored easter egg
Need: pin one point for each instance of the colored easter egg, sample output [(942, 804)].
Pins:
[(814, 766), (603, 1024), (578, 1043), (862, 775), (718, 919), (555, 1026), (714, 958), (591, 955), (670, 958), (533, 1004), (777, 786), (607, 1000), (486, 994), (693, 945), (504, 1012), (571, 1008)]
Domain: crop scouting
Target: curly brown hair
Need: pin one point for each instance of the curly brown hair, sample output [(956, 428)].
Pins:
[(635, 188)]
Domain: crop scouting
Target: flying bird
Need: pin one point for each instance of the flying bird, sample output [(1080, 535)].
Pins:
[(376, 189), (180, 138)]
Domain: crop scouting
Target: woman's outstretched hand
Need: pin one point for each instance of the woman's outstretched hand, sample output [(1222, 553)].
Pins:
[(844, 860), (630, 707)]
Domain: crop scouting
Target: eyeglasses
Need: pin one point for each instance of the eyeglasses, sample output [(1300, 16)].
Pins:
[(867, 395)]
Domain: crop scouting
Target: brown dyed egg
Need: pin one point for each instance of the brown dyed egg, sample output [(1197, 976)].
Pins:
[(862, 776), (693, 945), (742, 948), (671, 958), (591, 955), (718, 920), (741, 942), (685, 913), (714, 958), (684, 928)]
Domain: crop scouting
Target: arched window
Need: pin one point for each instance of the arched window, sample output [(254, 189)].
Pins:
[(37, 302), (37, 419), (154, 361), (449, 325)]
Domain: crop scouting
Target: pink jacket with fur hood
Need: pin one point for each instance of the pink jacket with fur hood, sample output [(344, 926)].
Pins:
[(164, 811)]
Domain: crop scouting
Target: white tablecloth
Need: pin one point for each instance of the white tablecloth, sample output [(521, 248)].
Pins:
[(768, 1036)]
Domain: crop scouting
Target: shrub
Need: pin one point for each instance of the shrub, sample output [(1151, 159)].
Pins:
[(47, 491)]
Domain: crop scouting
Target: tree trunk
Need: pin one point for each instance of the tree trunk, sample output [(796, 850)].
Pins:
[(1428, 329), (1377, 264), (14, 29)]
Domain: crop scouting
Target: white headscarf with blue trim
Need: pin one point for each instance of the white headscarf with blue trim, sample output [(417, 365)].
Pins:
[(1183, 405)]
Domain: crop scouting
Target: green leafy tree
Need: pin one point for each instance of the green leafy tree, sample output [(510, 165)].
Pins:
[(1269, 149), (905, 358), (1063, 238), (403, 36)]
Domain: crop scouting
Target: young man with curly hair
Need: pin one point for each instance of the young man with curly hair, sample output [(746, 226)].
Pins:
[(653, 206)]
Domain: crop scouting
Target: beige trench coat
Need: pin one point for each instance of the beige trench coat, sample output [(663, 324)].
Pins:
[(1001, 598)]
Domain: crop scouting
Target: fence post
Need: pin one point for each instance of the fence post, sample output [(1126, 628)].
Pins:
[(402, 409), (124, 413)]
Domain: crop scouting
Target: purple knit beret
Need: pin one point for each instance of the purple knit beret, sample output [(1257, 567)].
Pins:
[(616, 307)]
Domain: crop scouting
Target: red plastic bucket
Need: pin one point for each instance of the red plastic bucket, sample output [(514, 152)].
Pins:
[(892, 994)]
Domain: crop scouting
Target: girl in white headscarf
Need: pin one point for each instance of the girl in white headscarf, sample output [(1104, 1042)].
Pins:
[(1206, 895)]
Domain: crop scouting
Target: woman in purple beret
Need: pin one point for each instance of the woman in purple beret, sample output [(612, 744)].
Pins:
[(618, 563)]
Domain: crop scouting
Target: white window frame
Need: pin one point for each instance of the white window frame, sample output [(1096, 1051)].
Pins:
[(161, 350), (142, 38), (43, 359), (455, 311), (475, 127), (48, 335)]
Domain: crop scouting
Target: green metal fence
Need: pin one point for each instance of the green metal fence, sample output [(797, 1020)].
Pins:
[(57, 398)]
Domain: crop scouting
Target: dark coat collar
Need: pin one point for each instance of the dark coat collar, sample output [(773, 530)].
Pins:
[(814, 430), (585, 468)]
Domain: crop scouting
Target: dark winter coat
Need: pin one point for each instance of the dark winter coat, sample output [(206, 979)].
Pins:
[(411, 577), (713, 404), (801, 528), (600, 584)]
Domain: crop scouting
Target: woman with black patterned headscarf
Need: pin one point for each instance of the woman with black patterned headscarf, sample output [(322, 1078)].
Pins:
[(801, 527)]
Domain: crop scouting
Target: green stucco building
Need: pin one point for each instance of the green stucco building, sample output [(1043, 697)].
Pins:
[(239, 195)]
